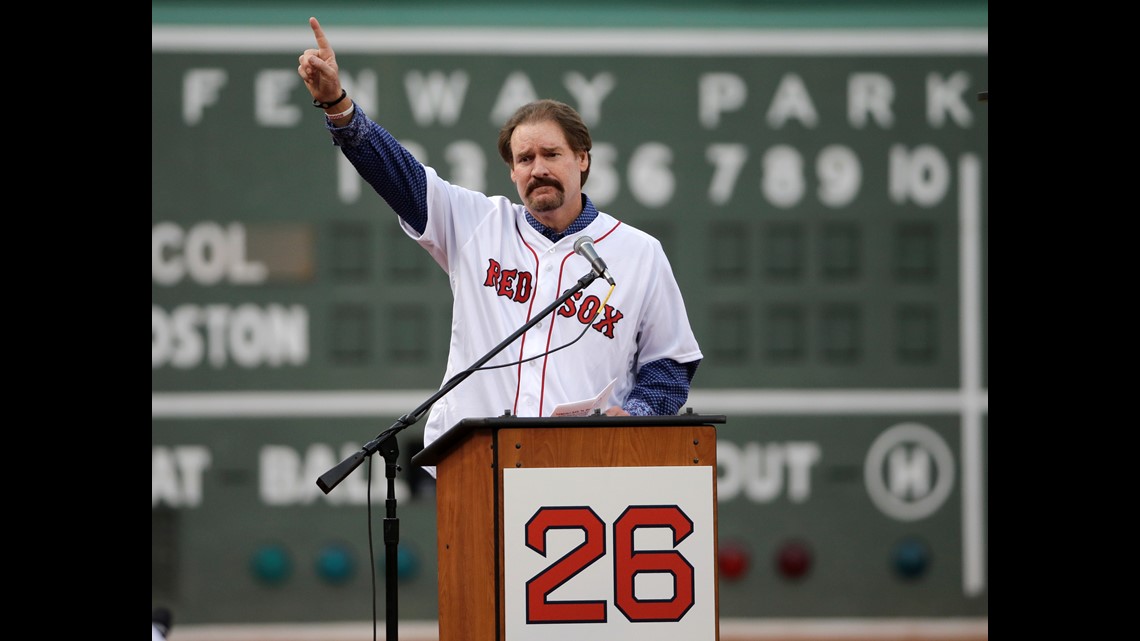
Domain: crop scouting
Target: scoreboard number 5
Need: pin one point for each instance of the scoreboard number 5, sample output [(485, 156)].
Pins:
[(628, 563)]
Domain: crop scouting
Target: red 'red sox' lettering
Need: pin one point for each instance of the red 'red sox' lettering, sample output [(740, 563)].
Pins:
[(518, 286), (509, 283), (586, 310)]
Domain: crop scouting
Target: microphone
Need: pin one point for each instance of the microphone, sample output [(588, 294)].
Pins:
[(584, 247)]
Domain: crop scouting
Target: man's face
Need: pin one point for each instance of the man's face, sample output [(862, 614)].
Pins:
[(546, 172)]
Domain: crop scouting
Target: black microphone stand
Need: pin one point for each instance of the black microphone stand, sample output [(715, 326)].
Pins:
[(386, 444)]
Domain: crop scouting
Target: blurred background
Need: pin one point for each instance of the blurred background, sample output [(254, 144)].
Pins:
[(818, 174)]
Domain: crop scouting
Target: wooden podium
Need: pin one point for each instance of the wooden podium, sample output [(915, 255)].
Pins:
[(508, 487)]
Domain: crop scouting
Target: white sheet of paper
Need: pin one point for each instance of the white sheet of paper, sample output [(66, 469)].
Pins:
[(586, 407)]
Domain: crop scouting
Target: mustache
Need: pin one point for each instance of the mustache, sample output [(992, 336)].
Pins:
[(543, 182)]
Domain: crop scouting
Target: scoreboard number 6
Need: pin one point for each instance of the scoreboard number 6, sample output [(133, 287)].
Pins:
[(628, 563)]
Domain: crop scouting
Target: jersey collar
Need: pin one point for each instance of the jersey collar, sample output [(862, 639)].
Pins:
[(589, 213)]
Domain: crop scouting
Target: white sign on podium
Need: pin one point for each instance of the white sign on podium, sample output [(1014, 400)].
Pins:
[(609, 554)]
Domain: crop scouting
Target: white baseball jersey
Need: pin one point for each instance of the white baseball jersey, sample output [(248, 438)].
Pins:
[(502, 271)]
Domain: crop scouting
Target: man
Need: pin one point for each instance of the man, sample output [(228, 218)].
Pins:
[(508, 261)]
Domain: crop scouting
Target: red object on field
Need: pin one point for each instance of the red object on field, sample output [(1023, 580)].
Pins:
[(733, 560), (794, 560)]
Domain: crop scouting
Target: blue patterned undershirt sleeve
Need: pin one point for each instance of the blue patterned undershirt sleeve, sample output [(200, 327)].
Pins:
[(661, 387), (385, 164)]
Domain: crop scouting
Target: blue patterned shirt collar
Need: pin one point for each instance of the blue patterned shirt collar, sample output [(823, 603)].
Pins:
[(589, 213)]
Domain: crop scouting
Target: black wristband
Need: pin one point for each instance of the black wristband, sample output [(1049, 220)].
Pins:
[(325, 105)]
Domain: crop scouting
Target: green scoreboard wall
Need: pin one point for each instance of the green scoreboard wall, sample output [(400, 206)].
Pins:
[(821, 195)]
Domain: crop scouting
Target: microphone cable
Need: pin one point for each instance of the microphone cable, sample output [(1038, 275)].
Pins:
[(589, 324)]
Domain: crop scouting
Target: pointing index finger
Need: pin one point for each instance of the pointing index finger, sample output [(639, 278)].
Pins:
[(322, 41)]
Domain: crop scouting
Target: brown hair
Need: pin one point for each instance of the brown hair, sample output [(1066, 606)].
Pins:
[(577, 134)]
